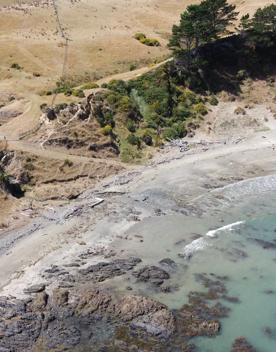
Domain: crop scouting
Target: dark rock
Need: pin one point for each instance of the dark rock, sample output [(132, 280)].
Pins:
[(106, 270), (152, 274), (242, 345), (50, 114), (264, 244), (40, 301), (168, 263), (160, 323), (270, 333)]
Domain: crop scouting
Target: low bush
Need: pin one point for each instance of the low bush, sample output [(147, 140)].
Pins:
[(142, 38), (134, 140), (106, 130), (213, 100), (90, 85), (129, 153), (131, 126), (78, 93)]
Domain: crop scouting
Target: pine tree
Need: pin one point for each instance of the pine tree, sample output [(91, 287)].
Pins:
[(201, 24)]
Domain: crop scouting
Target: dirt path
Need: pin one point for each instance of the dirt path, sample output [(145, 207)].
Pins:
[(36, 149)]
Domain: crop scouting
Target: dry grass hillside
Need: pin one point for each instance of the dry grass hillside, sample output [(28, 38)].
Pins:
[(101, 43), (100, 32)]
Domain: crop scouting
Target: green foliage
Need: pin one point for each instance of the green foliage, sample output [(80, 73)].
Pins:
[(134, 140), (261, 26), (78, 93), (151, 42), (201, 24), (68, 163), (90, 85), (129, 153), (118, 86), (63, 86), (200, 109), (131, 126), (4, 178), (213, 100), (264, 19), (106, 130), (124, 103), (141, 37), (176, 131)]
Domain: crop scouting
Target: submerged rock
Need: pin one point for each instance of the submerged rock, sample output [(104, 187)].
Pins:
[(152, 274), (242, 345)]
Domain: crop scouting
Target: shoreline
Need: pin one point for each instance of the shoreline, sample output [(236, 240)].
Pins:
[(161, 185)]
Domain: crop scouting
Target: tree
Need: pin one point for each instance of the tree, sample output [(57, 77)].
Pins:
[(264, 19), (201, 24), (261, 26)]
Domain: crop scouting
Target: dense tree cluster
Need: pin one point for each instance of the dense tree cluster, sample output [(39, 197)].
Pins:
[(212, 19)]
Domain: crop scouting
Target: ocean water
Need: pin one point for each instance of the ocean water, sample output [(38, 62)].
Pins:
[(251, 268), (237, 240)]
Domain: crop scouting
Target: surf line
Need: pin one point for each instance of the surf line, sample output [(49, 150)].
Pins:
[(229, 227), (201, 243)]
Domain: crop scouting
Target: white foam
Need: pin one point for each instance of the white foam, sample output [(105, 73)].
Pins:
[(201, 243), (229, 227), (194, 246)]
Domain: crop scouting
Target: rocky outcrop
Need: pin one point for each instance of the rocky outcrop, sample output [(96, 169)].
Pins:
[(67, 319), (152, 274), (242, 345)]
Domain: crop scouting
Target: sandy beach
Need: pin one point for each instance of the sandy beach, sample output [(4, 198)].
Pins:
[(101, 220)]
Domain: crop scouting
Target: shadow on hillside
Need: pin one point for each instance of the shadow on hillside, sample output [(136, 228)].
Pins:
[(230, 60)]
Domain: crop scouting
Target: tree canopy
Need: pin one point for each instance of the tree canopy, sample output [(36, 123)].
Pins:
[(201, 24)]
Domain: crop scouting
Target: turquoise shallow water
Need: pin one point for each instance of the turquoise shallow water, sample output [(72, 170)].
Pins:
[(252, 279), (246, 253), (234, 249)]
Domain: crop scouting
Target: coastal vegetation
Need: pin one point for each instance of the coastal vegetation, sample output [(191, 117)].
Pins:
[(208, 57)]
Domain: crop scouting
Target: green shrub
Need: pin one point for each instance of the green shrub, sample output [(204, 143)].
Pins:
[(90, 85), (134, 140), (189, 97), (68, 163), (200, 109), (150, 42), (140, 36), (112, 98), (181, 112), (129, 153), (106, 130), (124, 103), (78, 93), (131, 126), (118, 86), (213, 100), (176, 131)]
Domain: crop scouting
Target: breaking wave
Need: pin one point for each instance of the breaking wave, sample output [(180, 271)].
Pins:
[(202, 242)]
